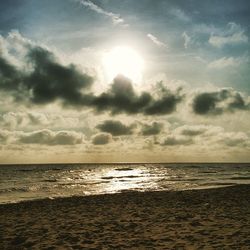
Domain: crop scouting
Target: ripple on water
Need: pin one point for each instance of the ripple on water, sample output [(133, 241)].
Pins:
[(124, 169)]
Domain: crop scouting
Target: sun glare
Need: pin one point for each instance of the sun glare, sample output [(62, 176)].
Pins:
[(125, 61)]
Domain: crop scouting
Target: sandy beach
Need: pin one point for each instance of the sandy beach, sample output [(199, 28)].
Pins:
[(216, 218)]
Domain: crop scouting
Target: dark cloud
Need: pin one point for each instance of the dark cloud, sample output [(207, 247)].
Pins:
[(152, 129), (175, 140), (165, 105), (101, 139), (218, 102), (10, 77), (121, 98), (192, 130), (48, 137), (115, 128), (6, 70), (49, 81)]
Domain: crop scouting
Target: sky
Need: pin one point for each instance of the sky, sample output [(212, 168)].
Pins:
[(124, 81)]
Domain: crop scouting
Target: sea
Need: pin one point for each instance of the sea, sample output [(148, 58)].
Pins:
[(39, 181)]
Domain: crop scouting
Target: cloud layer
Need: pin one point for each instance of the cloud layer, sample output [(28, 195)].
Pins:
[(48, 137), (151, 129), (47, 81)]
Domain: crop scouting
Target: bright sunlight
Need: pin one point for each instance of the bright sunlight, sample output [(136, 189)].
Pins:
[(125, 61)]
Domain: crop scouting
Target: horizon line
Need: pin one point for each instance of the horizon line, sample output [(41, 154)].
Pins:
[(124, 163)]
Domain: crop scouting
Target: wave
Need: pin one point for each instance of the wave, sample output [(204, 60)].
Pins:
[(240, 178), (124, 169), (217, 184), (50, 180), (120, 177), (14, 189)]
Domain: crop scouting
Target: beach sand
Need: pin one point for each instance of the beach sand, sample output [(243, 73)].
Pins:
[(216, 218)]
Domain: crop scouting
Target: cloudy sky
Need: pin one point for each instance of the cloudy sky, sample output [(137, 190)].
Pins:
[(124, 80)]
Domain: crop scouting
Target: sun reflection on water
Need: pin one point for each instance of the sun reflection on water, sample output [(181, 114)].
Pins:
[(121, 179)]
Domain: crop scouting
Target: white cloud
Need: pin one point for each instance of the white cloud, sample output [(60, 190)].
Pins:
[(233, 36), (32, 119), (200, 59), (14, 48), (225, 62), (180, 14), (4, 136), (205, 28), (116, 19), (12, 120), (233, 139), (220, 41), (187, 39), (156, 41), (198, 135)]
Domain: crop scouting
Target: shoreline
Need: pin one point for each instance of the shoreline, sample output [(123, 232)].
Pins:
[(192, 219), (117, 193)]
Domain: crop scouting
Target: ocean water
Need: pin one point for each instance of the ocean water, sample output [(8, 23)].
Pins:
[(27, 182)]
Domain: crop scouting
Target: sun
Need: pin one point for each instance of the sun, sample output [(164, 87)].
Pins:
[(123, 60)]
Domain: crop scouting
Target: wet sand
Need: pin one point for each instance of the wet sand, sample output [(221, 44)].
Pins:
[(198, 219)]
